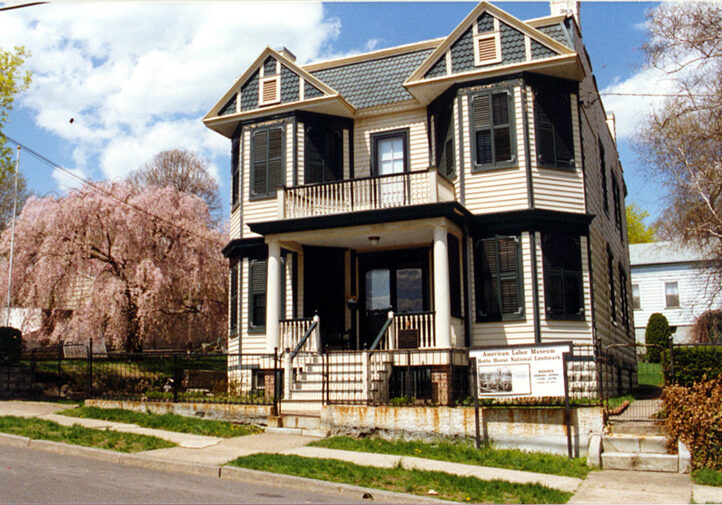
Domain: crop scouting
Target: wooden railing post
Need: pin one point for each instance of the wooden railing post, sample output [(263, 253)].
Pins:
[(433, 183), (391, 344), (281, 202)]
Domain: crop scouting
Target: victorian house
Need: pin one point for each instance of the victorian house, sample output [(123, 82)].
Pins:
[(451, 193)]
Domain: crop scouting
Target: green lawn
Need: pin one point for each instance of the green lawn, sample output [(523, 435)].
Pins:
[(707, 477), (448, 487), (650, 374), (78, 435), (170, 422), (464, 452)]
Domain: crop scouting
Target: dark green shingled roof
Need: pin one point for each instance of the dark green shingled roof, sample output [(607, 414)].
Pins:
[(375, 82)]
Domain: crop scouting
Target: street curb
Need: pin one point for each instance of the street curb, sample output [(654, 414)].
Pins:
[(222, 472), (14, 440), (306, 484)]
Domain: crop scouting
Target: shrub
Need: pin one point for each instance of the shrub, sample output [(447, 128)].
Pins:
[(11, 344), (657, 336), (693, 364), (694, 416), (707, 328)]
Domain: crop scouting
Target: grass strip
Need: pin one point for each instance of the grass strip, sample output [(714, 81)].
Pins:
[(650, 374), (464, 452), (448, 487), (78, 435), (707, 477), (170, 422)]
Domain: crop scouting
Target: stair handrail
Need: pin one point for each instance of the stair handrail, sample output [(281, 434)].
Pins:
[(382, 332), (288, 362), (306, 335)]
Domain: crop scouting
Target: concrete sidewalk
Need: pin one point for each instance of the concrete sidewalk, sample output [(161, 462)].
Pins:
[(196, 451)]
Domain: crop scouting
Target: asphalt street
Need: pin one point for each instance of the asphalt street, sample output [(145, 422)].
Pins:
[(31, 476)]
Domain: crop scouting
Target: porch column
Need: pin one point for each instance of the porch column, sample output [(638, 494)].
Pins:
[(273, 296), (442, 297)]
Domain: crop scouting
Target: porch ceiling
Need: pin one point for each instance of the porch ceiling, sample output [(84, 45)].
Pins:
[(390, 235)]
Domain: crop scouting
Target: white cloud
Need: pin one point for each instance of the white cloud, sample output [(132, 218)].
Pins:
[(66, 181), (137, 78), (631, 106)]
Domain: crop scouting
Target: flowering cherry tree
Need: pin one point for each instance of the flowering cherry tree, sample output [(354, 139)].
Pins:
[(136, 267)]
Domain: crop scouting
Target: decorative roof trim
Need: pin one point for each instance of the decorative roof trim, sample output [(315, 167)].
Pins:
[(547, 20), (276, 109), (526, 29), (491, 72), (254, 66), (389, 108), (374, 55)]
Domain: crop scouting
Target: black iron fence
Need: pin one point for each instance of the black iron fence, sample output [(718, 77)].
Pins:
[(173, 376)]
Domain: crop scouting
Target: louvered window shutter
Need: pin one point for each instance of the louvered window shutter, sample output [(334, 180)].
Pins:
[(260, 163), (275, 159), (314, 160), (499, 280), (257, 288), (235, 180), (554, 137), (563, 287), (481, 106), (234, 299)]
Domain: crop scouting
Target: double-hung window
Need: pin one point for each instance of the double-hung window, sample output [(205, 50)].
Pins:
[(266, 162), (671, 294), (498, 279), (554, 137), (624, 295), (563, 287), (493, 132), (610, 280), (323, 155), (603, 175)]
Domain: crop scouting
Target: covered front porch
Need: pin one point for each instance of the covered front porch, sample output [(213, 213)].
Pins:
[(382, 287)]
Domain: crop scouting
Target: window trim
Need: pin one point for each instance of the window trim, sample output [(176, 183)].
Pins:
[(624, 294), (603, 169), (383, 135), (611, 286), (666, 301), (494, 165), (261, 82), (255, 328), (307, 157), (496, 35), (236, 160), (478, 278), (270, 193)]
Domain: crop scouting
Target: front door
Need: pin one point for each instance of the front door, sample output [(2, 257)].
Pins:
[(395, 280), (324, 290)]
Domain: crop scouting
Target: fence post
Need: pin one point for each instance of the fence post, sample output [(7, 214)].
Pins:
[(176, 378), (276, 377), (365, 374), (60, 365), (287, 376), (89, 393), (32, 373), (475, 392), (407, 382)]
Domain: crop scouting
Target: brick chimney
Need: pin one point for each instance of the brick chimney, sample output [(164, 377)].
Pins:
[(287, 53)]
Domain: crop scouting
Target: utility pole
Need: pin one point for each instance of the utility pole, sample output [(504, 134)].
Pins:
[(12, 236)]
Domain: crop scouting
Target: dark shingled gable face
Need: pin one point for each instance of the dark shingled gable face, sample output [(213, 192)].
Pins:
[(376, 82)]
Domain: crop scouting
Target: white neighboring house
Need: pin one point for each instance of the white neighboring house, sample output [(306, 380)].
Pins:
[(673, 280)]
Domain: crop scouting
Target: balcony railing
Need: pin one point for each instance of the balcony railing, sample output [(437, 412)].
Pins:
[(369, 193)]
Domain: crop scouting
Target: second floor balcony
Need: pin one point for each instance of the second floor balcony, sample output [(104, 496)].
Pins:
[(363, 194)]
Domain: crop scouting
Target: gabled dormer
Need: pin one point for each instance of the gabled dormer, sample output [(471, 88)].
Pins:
[(274, 84), (490, 42)]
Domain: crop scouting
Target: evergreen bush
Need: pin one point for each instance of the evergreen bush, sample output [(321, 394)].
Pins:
[(658, 336), (11, 345)]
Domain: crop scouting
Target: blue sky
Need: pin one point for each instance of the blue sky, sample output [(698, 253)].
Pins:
[(137, 78)]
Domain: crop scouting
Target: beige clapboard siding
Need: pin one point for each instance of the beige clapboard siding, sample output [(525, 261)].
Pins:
[(414, 120), (251, 342), (235, 223), (576, 331), (301, 137), (506, 332), (495, 190), (290, 144), (559, 189)]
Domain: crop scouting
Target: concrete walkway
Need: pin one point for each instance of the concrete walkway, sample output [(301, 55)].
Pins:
[(618, 486)]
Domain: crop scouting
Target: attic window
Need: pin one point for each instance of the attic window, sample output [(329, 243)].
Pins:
[(487, 49), (270, 90)]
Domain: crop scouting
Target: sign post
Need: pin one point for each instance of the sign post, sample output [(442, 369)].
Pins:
[(477, 434)]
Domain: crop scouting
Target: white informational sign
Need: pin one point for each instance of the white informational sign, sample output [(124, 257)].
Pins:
[(521, 370)]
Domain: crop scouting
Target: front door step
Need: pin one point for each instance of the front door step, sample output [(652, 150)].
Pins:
[(638, 428), (640, 461), (297, 424)]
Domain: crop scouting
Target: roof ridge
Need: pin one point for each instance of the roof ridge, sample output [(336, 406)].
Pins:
[(373, 55)]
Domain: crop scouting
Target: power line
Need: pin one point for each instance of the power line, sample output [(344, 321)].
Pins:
[(103, 190), (670, 95)]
